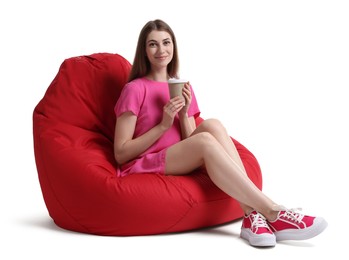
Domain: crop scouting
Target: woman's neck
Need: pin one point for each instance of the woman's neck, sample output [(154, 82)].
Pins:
[(158, 76)]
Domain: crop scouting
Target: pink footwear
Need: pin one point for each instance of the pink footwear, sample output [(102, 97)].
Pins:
[(256, 230), (290, 225)]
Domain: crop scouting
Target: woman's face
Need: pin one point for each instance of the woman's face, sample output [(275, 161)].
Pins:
[(159, 49)]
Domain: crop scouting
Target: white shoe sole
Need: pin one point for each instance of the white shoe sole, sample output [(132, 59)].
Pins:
[(318, 226), (265, 240)]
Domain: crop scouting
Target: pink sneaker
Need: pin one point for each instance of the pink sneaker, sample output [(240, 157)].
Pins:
[(256, 230), (290, 225)]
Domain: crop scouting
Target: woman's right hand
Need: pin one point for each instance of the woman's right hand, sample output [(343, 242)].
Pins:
[(170, 110)]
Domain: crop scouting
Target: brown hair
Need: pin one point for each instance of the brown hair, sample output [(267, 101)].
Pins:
[(141, 65)]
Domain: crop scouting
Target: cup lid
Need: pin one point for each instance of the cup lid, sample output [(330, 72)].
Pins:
[(174, 80)]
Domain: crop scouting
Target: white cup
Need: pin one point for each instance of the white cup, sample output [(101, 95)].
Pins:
[(175, 87)]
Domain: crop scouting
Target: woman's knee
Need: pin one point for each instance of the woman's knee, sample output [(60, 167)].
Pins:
[(212, 126), (204, 140)]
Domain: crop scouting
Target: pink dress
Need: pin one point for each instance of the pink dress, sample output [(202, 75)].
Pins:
[(146, 98)]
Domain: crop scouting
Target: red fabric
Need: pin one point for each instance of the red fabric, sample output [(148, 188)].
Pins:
[(73, 131)]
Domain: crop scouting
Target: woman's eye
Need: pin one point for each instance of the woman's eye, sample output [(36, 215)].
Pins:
[(152, 44), (167, 42)]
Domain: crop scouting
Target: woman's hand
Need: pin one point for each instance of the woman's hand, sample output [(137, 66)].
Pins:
[(170, 110), (187, 97)]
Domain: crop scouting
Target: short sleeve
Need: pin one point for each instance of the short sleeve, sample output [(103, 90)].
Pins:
[(194, 107), (130, 99)]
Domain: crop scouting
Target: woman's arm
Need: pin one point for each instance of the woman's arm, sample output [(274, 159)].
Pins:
[(187, 123), (126, 147)]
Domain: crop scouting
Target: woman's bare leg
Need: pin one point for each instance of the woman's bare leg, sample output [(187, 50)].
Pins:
[(215, 127), (202, 148)]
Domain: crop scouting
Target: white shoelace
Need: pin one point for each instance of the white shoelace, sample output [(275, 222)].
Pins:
[(259, 221), (293, 215)]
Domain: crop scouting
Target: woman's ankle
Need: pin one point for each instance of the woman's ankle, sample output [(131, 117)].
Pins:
[(272, 213)]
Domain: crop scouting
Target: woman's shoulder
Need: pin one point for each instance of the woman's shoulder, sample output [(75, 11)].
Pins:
[(144, 81), (142, 84), (137, 83)]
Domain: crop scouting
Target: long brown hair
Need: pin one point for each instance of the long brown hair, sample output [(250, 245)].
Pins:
[(141, 65)]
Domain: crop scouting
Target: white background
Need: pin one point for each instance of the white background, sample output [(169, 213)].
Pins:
[(274, 72)]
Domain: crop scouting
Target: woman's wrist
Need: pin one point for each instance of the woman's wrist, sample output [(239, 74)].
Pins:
[(182, 116), (162, 128)]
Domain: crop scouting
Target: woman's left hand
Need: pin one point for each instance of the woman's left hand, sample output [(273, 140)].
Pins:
[(187, 97)]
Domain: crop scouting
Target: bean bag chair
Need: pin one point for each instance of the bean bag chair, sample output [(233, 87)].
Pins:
[(73, 131)]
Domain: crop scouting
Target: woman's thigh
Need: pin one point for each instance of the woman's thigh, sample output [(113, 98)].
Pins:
[(187, 155)]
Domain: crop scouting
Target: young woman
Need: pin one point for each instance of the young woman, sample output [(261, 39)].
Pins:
[(153, 134)]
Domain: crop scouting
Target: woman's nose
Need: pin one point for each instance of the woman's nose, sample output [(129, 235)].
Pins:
[(161, 48)]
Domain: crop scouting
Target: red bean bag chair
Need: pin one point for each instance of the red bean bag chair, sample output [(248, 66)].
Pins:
[(73, 131)]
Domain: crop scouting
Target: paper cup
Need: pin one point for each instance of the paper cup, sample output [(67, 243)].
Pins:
[(175, 87)]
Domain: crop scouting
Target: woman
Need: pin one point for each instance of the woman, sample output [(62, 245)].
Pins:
[(153, 134)]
